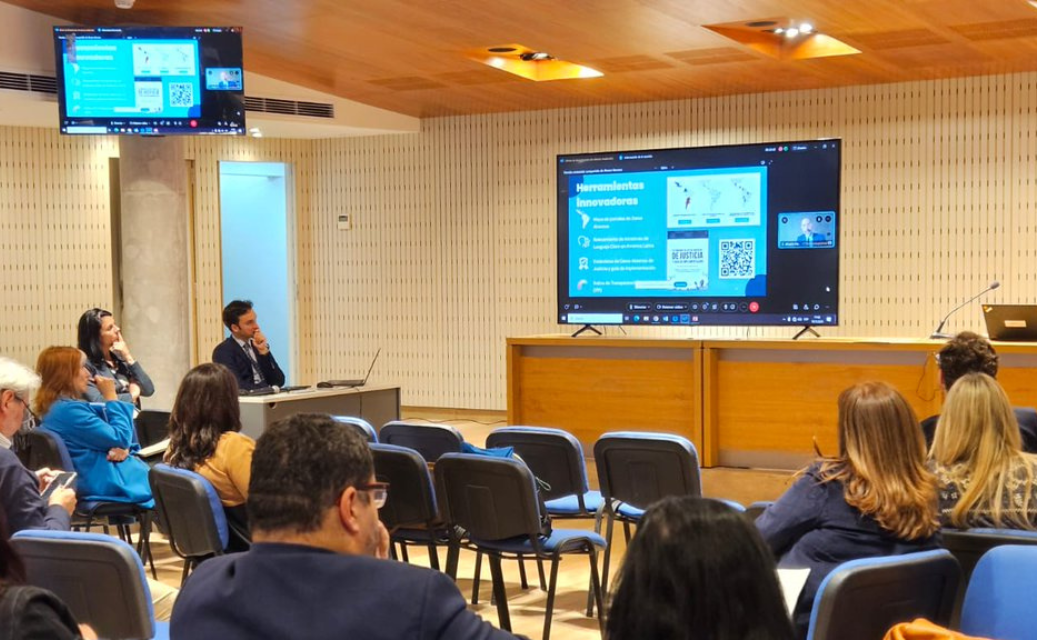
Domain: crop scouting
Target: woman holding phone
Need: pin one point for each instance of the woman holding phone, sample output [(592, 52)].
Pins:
[(108, 356)]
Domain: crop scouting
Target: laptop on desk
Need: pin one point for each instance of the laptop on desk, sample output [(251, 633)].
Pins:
[(329, 384), (1010, 322)]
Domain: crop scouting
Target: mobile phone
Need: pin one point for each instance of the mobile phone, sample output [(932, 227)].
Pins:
[(64, 479)]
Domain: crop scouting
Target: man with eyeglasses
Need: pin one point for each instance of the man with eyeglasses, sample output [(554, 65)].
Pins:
[(20, 488), (318, 566)]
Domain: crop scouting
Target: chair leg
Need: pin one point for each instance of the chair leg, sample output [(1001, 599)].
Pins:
[(452, 568), (499, 588), (393, 550), (404, 552), (185, 571), (144, 538), (435, 562), (628, 533), (523, 573), (595, 589), (609, 521), (541, 574), (553, 570), (476, 580)]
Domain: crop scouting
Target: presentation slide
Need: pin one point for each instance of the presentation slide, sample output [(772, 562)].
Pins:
[(123, 78), (669, 233)]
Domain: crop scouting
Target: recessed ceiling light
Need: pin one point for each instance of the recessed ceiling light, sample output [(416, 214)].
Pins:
[(805, 27), (791, 32), (536, 55)]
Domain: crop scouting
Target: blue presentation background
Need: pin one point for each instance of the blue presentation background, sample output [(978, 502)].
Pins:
[(122, 76), (653, 208)]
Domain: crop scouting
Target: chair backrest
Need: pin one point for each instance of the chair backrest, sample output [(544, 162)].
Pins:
[(430, 440), (364, 427), (190, 509), (862, 599), (1001, 597), (969, 545), (490, 498), (1026, 417), (640, 468), (47, 449), (99, 577), (411, 501), (553, 455), (151, 426)]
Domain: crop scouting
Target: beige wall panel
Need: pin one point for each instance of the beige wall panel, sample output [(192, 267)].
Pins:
[(453, 241)]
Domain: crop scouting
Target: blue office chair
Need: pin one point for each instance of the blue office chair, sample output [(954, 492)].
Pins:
[(556, 458), (192, 515), (494, 502), (410, 513), (430, 440), (1001, 597), (636, 469), (49, 450), (863, 599), (969, 545), (364, 427), (99, 577)]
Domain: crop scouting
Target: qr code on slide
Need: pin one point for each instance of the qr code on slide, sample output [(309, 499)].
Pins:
[(737, 259), (181, 94)]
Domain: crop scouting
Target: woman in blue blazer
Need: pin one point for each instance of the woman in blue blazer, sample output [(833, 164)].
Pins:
[(99, 436)]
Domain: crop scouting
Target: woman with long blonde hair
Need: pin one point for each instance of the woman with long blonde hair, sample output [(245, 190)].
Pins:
[(985, 479), (876, 498)]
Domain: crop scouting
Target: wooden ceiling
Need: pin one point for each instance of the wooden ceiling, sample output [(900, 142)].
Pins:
[(409, 56)]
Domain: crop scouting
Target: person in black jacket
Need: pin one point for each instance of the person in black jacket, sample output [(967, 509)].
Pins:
[(20, 488), (246, 352)]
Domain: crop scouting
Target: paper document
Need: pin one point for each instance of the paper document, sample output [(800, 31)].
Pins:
[(154, 449), (791, 583)]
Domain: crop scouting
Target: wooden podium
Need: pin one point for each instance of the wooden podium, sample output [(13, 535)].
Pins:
[(743, 403)]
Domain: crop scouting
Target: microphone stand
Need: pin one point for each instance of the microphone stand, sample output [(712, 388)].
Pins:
[(938, 334)]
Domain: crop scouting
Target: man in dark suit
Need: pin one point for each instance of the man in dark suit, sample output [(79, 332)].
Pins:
[(318, 566), (246, 352), (966, 353), (808, 238)]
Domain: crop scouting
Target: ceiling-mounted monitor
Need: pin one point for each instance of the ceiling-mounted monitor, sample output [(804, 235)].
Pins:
[(150, 80), (731, 235)]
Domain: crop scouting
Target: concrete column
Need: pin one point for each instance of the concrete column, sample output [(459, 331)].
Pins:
[(156, 315)]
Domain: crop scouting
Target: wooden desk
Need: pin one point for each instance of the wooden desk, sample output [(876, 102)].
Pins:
[(764, 401), (742, 403), (591, 385), (378, 404)]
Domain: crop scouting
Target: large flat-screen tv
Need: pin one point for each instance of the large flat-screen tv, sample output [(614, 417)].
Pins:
[(731, 235), (150, 80)]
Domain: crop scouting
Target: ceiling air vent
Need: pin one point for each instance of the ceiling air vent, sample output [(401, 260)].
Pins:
[(290, 107), (28, 82)]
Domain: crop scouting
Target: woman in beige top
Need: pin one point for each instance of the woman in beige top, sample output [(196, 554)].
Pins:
[(204, 437)]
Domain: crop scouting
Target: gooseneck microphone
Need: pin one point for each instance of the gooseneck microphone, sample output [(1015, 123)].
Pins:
[(938, 334)]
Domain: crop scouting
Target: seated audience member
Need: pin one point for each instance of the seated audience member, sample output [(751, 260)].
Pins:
[(30, 613), (100, 437), (971, 353), (877, 498), (246, 352), (20, 488), (205, 438), (985, 479), (317, 567), (108, 356), (697, 569)]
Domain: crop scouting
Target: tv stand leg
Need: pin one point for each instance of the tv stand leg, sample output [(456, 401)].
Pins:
[(587, 327), (805, 329)]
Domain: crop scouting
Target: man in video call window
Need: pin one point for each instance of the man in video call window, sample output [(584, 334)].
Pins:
[(807, 237), (246, 352)]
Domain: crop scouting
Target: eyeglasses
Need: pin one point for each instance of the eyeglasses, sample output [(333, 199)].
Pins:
[(379, 491), (28, 417)]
